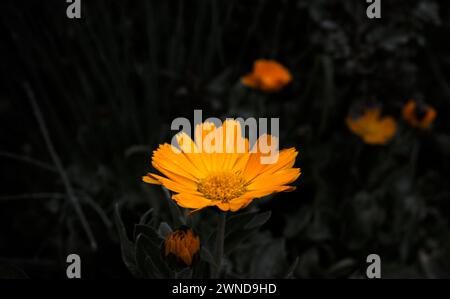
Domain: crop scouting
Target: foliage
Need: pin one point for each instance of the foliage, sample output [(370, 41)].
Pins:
[(110, 84)]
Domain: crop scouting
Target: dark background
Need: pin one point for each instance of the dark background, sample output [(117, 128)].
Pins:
[(109, 85)]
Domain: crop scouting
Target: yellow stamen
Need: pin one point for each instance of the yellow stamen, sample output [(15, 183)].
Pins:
[(222, 186)]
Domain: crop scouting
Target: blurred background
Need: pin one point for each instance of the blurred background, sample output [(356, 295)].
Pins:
[(84, 102)]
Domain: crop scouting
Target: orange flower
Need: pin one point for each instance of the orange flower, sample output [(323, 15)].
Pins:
[(268, 76), (418, 116), (372, 128), (183, 244), (228, 180)]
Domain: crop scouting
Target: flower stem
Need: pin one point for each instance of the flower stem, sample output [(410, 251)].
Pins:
[(60, 168), (220, 235)]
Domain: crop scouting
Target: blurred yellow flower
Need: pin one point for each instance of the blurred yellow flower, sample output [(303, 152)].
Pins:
[(418, 116), (228, 180), (371, 127), (183, 244), (268, 76)]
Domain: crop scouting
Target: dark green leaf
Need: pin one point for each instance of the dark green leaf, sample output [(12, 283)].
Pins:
[(8, 271), (242, 226), (177, 215), (149, 232), (144, 262), (342, 269), (185, 273), (258, 220), (145, 246), (235, 239), (206, 255), (144, 218), (290, 271), (164, 229), (126, 246), (238, 221)]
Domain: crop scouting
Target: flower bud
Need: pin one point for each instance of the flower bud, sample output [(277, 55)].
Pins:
[(183, 245)]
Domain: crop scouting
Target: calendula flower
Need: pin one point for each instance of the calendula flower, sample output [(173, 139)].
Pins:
[(371, 127), (228, 179), (268, 76), (183, 245), (418, 116)]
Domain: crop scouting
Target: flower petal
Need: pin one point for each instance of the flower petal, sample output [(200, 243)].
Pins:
[(191, 201), (278, 178), (174, 186), (150, 180), (167, 157)]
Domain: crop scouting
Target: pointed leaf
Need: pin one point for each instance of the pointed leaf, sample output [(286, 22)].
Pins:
[(164, 229), (144, 217), (258, 220), (9, 271), (206, 255), (290, 271), (153, 251), (149, 232), (186, 273), (238, 221), (177, 215), (126, 246)]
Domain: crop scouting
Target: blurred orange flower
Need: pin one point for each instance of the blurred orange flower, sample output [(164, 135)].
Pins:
[(418, 116), (227, 180), (371, 127), (267, 76), (183, 244)]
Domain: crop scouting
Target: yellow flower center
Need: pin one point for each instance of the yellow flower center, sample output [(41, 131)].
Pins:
[(222, 186)]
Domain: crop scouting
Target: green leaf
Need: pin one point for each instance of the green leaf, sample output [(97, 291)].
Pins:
[(185, 273), (144, 218), (290, 271), (126, 246), (206, 256), (9, 271), (267, 258), (146, 247), (258, 220), (238, 221), (144, 262), (149, 232), (201, 270), (177, 215), (164, 229), (236, 239), (342, 269), (241, 226)]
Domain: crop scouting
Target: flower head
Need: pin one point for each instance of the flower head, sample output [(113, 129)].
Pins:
[(371, 127), (182, 244), (418, 116), (228, 179), (267, 76)]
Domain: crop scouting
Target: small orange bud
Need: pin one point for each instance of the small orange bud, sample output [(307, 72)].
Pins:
[(418, 116), (182, 244)]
